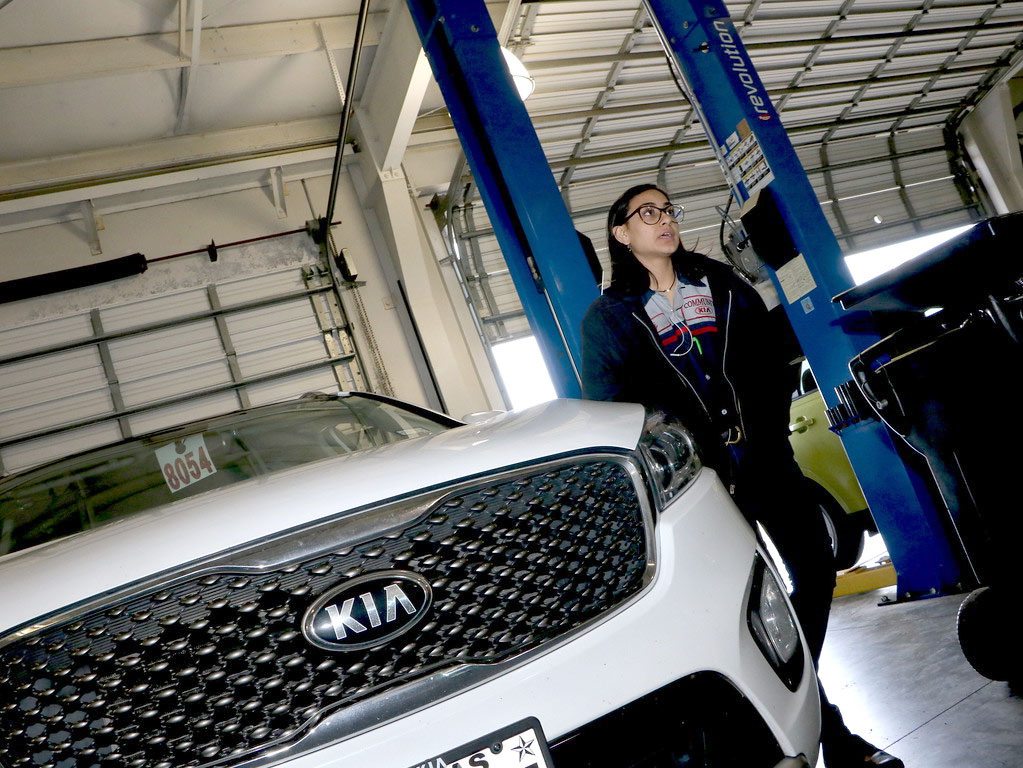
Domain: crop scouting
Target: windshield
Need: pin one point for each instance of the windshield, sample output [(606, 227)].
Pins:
[(93, 488)]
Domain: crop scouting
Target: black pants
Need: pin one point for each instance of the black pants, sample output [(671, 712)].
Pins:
[(773, 492)]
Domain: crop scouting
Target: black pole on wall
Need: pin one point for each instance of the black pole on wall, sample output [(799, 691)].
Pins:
[(346, 116)]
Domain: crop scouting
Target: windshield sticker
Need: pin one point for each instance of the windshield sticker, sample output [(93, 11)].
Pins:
[(184, 462)]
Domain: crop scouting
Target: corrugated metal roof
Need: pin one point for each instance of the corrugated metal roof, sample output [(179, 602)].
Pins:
[(866, 89)]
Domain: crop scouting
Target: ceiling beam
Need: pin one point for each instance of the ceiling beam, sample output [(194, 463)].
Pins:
[(188, 73), (394, 91), (270, 173), (37, 64), (753, 42), (938, 113), (912, 62), (33, 177), (441, 122)]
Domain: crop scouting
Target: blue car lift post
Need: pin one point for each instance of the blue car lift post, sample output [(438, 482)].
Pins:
[(549, 269), (537, 238), (756, 154)]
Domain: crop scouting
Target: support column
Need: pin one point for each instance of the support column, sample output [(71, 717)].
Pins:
[(989, 135), (446, 356), (758, 158), (535, 232), (384, 120)]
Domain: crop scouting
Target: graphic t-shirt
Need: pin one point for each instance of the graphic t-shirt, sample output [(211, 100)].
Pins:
[(687, 329)]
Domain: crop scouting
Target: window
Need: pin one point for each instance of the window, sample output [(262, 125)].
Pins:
[(523, 372), (93, 488), (866, 265)]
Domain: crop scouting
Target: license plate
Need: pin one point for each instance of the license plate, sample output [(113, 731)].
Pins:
[(521, 745)]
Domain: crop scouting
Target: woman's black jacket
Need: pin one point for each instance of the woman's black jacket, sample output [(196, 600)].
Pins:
[(623, 361)]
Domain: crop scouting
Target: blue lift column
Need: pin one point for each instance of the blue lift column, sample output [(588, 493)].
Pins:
[(756, 154), (536, 234)]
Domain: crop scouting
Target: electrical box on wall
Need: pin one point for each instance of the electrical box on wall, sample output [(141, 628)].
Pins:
[(346, 264)]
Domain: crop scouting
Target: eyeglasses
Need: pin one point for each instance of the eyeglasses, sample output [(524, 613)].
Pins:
[(651, 214)]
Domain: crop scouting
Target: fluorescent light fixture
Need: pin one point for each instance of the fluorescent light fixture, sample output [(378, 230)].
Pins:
[(524, 83)]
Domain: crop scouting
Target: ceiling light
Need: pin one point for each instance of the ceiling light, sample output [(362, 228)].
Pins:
[(524, 84)]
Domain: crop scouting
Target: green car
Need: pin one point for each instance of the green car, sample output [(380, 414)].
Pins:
[(821, 456)]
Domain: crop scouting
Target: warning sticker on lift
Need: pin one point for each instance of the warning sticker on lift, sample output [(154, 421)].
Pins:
[(796, 281), (745, 163)]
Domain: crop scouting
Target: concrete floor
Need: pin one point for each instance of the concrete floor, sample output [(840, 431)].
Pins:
[(901, 682)]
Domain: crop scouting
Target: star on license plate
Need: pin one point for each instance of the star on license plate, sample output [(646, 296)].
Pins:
[(521, 745)]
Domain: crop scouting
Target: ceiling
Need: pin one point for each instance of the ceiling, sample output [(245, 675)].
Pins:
[(102, 100), (855, 82), (871, 93)]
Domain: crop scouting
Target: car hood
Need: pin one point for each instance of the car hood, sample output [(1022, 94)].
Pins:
[(36, 581)]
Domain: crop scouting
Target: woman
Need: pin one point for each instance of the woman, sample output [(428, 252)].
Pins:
[(682, 333)]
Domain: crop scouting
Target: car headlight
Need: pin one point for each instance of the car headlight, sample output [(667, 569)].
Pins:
[(772, 624), (670, 456)]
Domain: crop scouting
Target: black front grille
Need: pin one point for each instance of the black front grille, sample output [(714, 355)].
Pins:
[(214, 667)]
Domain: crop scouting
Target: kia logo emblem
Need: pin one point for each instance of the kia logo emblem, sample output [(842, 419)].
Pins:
[(367, 611)]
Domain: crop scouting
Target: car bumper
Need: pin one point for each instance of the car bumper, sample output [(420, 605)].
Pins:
[(690, 621)]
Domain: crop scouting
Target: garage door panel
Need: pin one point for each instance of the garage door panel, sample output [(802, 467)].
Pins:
[(65, 409), (922, 168), (28, 338), (859, 212), (154, 310), (183, 381), (192, 410), (156, 353), (296, 334), (251, 336), (863, 178), (914, 140), (951, 220), (282, 357), (76, 365), (935, 197), (15, 396), (293, 386), (33, 452), (256, 330), (235, 292)]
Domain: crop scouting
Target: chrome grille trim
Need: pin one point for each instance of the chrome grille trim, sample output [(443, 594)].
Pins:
[(344, 719)]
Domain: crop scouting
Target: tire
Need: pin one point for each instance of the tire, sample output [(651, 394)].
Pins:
[(984, 637), (845, 532)]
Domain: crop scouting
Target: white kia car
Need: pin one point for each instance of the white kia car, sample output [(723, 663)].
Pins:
[(351, 581)]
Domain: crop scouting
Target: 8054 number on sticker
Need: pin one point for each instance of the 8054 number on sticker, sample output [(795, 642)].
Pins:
[(184, 462)]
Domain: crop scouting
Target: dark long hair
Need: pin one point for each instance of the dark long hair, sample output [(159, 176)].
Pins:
[(627, 274)]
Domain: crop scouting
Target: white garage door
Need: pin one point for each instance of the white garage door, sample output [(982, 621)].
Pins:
[(184, 341)]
